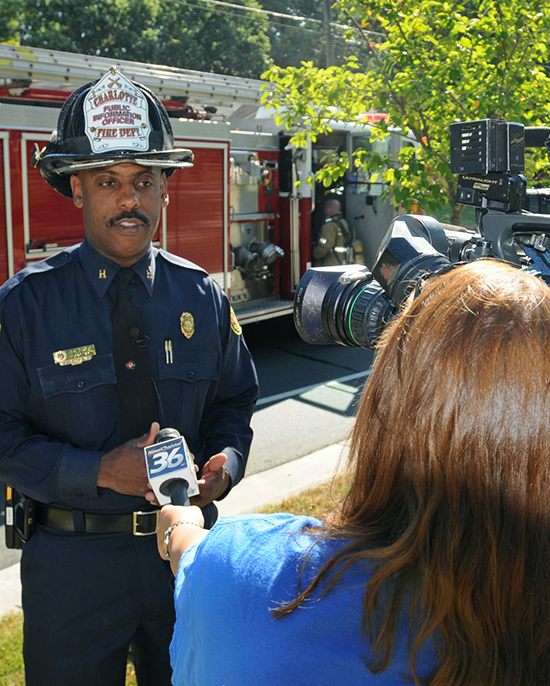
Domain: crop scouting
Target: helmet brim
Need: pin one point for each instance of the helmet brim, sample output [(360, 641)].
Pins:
[(61, 163), (58, 168), (81, 165)]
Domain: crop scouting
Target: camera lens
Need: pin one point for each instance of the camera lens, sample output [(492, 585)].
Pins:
[(329, 309), (350, 305), (363, 314)]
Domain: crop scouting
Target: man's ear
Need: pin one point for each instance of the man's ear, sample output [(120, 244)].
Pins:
[(76, 188), (164, 197)]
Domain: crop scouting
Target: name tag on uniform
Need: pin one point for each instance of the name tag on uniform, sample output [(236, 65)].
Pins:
[(74, 355)]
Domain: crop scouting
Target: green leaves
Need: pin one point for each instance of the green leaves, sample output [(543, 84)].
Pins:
[(431, 62), (174, 33)]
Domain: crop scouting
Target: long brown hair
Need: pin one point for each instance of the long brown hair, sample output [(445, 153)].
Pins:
[(450, 481)]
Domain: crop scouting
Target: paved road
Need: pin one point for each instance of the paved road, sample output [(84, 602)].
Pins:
[(308, 393), (308, 398)]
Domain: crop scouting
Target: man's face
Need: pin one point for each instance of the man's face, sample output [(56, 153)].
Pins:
[(121, 206)]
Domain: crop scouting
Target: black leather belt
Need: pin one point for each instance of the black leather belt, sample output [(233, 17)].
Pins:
[(137, 523)]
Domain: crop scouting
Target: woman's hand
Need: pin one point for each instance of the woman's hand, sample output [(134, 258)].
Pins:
[(178, 528)]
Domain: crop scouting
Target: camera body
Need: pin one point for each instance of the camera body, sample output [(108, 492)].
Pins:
[(350, 305)]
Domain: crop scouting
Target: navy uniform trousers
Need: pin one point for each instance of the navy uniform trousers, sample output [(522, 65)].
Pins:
[(127, 598)]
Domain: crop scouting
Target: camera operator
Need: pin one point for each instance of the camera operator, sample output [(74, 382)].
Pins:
[(437, 567)]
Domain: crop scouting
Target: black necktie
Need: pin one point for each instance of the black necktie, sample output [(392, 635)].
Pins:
[(137, 402)]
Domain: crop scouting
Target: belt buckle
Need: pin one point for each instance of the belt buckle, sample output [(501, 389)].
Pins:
[(139, 519)]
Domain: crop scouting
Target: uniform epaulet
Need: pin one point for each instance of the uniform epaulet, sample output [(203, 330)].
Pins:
[(181, 261), (56, 261)]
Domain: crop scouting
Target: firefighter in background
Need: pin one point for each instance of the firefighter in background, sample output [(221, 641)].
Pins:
[(336, 239), (99, 344)]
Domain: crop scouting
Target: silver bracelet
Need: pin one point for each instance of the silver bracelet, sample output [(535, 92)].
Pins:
[(169, 530)]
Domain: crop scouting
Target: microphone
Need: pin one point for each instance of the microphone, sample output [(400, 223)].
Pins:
[(171, 469), (175, 488), (137, 339)]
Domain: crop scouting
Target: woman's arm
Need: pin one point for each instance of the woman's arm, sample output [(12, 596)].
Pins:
[(178, 528)]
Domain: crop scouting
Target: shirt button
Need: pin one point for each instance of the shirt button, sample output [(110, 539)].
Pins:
[(191, 375), (80, 384)]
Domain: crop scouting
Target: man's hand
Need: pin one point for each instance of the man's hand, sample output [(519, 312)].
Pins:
[(214, 481), (124, 470)]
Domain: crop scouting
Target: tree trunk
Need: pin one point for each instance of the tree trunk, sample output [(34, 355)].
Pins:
[(456, 214)]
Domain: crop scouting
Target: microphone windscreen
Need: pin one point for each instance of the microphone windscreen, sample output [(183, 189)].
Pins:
[(166, 434)]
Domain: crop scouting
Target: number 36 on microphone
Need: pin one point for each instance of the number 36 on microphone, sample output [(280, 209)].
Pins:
[(168, 460)]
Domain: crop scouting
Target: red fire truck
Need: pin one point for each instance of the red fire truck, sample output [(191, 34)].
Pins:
[(245, 211)]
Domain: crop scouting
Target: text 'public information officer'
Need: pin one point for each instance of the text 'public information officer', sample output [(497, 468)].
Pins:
[(98, 344)]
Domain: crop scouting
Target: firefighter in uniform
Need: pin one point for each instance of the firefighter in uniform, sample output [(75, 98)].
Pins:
[(335, 243), (99, 346)]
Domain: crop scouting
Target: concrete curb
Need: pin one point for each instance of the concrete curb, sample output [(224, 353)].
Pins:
[(274, 485), (254, 492), (10, 589)]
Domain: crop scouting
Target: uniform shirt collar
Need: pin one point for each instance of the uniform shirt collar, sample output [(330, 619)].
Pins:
[(101, 270)]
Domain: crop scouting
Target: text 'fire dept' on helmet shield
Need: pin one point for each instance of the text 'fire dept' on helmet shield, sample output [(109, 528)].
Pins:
[(116, 115)]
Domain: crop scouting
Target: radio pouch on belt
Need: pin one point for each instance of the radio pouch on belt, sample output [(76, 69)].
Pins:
[(19, 526)]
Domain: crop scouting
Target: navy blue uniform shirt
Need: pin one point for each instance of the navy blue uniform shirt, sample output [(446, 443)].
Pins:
[(57, 421)]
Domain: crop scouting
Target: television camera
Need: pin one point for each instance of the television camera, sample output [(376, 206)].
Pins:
[(350, 305)]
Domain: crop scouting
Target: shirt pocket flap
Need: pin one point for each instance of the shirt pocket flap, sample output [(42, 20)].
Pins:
[(189, 367), (57, 379)]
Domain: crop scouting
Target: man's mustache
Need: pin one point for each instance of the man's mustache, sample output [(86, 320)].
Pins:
[(130, 215)]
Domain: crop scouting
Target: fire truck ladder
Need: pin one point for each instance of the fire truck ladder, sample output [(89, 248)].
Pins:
[(24, 66)]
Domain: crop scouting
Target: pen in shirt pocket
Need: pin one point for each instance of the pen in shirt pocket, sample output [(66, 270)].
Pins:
[(168, 351)]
